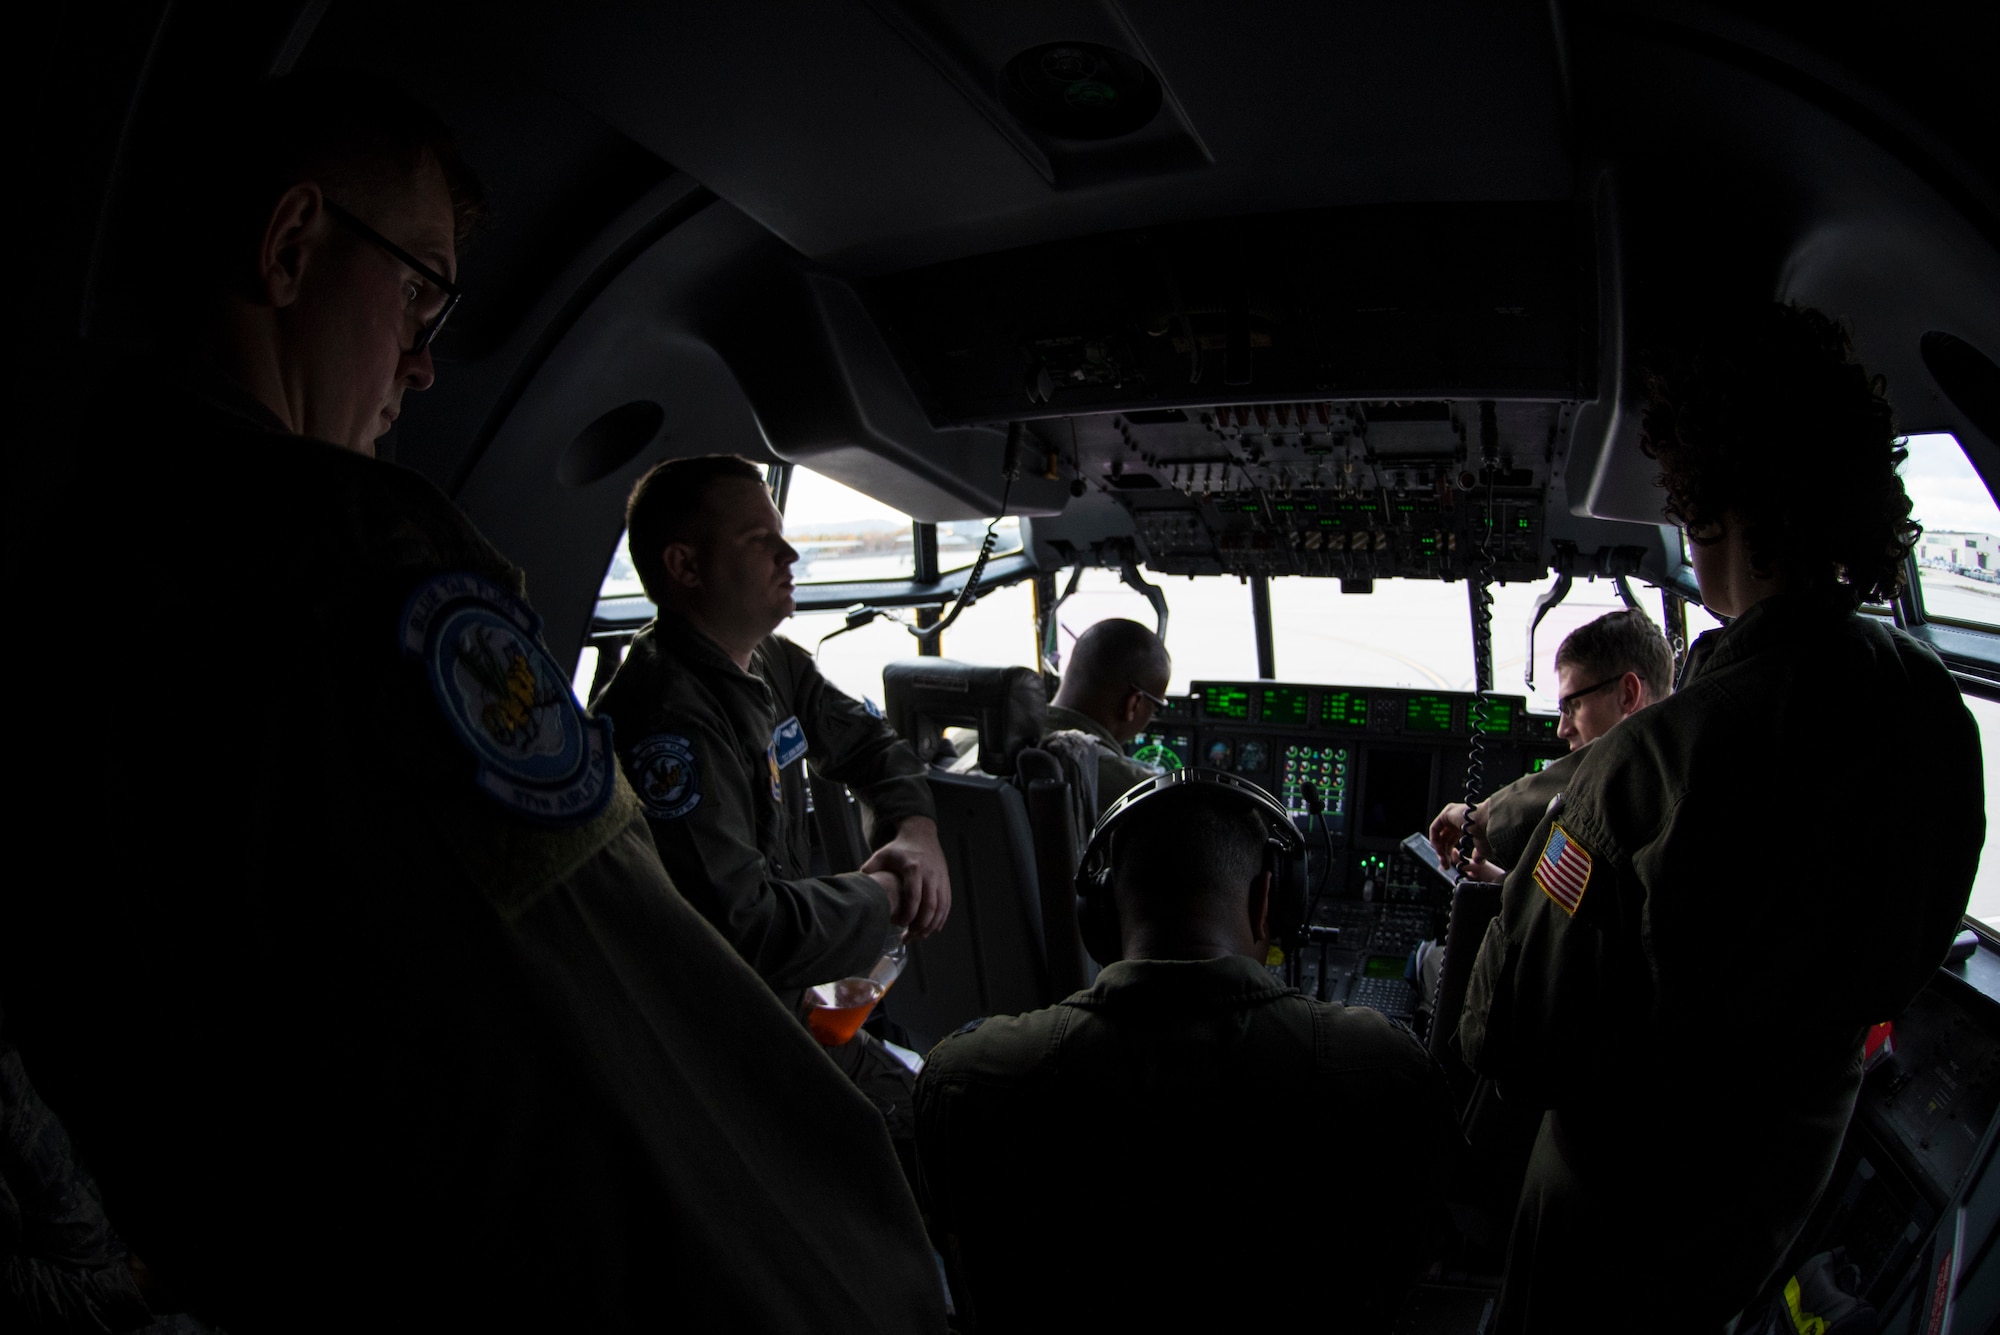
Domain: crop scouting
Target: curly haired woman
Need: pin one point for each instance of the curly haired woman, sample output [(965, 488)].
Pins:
[(1729, 893)]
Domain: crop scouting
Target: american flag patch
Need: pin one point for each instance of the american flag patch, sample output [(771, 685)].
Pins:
[(1564, 870)]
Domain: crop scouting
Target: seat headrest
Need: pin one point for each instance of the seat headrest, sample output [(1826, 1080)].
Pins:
[(1007, 706), (1035, 763)]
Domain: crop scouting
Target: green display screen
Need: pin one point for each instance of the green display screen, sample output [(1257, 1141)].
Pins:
[(1385, 966), (1499, 717), (1344, 709), (1232, 702), (1284, 704), (1427, 713), (1538, 764), (1163, 750)]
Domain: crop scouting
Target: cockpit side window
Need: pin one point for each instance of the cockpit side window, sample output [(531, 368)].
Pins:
[(851, 547), (958, 541), (1985, 903), (1958, 557), (997, 631), (843, 535), (1958, 583)]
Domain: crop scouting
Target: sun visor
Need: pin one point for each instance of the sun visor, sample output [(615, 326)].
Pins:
[(1608, 476), (828, 394)]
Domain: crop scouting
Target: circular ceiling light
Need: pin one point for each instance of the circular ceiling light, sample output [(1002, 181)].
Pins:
[(1079, 90)]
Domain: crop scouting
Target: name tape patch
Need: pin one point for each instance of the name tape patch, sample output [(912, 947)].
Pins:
[(506, 701), (665, 773), (1563, 870)]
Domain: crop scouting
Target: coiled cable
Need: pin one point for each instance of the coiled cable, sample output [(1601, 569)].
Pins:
[(1316, 810), (1480, 587), (861, 614), (1010, 469)]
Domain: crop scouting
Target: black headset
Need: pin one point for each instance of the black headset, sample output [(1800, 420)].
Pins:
[(1284, 847)]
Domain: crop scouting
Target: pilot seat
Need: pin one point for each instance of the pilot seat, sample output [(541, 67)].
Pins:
[(1011, 943)]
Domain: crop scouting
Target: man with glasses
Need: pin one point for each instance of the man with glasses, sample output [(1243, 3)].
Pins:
[(716, 717), (1115, 683), (360, 984), (1606, 671)]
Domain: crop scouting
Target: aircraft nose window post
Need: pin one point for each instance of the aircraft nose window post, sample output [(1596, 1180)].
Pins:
[(1326, 937)]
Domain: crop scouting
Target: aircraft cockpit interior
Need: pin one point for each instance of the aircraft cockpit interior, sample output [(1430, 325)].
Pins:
[(1310, 337)]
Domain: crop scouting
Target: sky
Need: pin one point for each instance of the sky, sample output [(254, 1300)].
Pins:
[(1945, 493), (814, 500)]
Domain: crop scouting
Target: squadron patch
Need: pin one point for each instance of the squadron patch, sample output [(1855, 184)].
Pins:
[(788, 743), (506, 700), (665, 773), (1563, 871)]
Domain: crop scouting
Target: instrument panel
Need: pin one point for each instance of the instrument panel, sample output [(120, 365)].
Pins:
[(1283, 735), (1384, 761)]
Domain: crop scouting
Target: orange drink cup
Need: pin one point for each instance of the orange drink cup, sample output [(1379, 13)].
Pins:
[(834, 1011), (837, 1009)]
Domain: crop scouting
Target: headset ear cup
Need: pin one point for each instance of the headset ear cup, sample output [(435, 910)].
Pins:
[(1097, 917), (1288, 894)]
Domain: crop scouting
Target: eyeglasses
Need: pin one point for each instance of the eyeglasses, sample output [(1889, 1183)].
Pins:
[(1567, 705), (1156, 701), (447, 292)]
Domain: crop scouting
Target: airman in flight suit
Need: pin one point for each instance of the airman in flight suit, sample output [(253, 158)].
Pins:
[(715, 719), (1156, 1091), (362, 989), (1115, 684), (718, 757), (1606, 671), (1684, 998)]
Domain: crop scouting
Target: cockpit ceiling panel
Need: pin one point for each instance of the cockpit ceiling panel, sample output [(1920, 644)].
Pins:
[(873, 135), (1347, 490), (1381, 303)]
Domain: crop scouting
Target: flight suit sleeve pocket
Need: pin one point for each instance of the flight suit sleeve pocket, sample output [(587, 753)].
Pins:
[(515, 864), (1482, 1020)]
